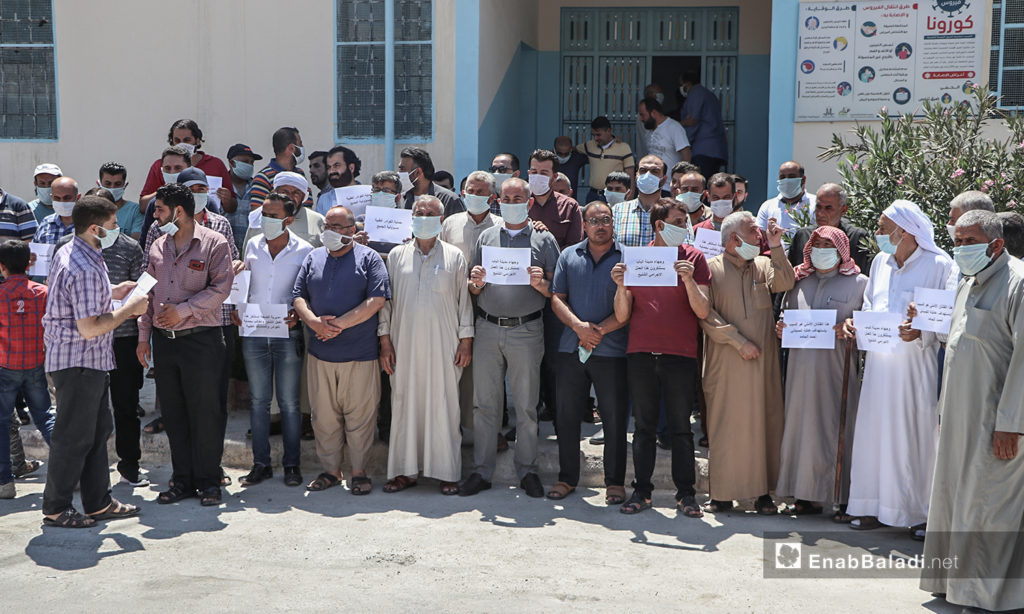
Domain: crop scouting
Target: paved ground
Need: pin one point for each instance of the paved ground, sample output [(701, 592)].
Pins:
[(273, 548)]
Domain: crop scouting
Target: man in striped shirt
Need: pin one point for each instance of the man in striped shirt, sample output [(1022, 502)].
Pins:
[(16, 218), (288, 154)]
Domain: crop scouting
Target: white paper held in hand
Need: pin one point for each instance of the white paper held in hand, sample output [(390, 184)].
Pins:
[(878, 331), (266, 320), (809, 329), (934, 309), (144, 284), (506, 266), (214, 183), (709, 242), (44, 253), (355, 197), (388, 225), (651, 266), (239, 289)]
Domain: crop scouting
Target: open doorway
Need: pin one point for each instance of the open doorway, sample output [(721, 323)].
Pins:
[(666, 70)]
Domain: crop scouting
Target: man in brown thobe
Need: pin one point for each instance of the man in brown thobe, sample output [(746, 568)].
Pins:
[(742, 378)]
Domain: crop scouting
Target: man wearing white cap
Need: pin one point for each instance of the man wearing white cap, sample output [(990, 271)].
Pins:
[(45, 173), (308, 224), (897, 426)]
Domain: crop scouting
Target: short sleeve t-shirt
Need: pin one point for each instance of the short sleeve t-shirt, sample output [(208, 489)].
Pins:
[(516, 301), (662, 320), (666, 140), (333, 286)]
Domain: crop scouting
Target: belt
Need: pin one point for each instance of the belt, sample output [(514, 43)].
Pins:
[(509, 322), (174, 334)]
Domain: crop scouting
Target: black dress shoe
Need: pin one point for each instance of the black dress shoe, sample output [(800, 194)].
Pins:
[(474, 484), (531, 484), (663, 442), (545, 415), (258, 473), (292, 476)]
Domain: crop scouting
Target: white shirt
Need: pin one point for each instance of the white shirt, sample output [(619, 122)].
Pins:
[(272, 279), (666, 141), (775, 208)]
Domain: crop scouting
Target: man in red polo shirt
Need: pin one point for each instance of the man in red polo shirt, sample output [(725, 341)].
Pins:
[(661, 358), (22, 305), (186, 133)]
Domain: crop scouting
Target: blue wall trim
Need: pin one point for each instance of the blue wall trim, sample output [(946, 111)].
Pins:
[(511, 121), (465, 139), (752, 81), (782, 97)]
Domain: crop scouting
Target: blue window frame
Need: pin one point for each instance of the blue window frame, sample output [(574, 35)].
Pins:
[(1006, 55), (28, 73), (360, 70)]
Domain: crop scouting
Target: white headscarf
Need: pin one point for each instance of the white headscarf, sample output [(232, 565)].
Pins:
[(292, 179), (911, 219)]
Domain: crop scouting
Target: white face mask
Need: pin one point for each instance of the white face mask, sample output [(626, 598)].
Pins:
[(189, 147), (614, 198), (169, 228), (300, 154), (951, 229), (63, 209), (690, 200), (334, 241), (200, 198), (382, 199), (272, 227), (721, 208), (406, 181), (170, 178), (477, 204), (539, 184)]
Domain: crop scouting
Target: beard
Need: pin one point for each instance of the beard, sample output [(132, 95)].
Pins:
[(340, 180), (650, 124)]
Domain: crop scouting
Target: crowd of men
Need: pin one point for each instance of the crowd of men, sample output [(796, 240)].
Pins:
[(419, 330)]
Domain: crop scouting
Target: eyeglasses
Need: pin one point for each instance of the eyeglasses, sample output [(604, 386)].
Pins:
[(599, 221), (499, 169), (385, 190), (338, 227)]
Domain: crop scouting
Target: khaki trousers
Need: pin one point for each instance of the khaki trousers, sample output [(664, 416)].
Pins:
[(344, 396)]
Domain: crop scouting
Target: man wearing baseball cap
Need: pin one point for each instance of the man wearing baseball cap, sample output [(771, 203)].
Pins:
[(240, 162), (45, 173)]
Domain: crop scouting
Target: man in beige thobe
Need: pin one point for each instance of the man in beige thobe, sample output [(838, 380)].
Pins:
[(462, 230), (974, 520), (742, 378), (426, 338)]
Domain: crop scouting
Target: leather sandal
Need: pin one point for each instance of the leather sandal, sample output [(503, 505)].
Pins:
[(398, 483), (615, 495), (560, 491)]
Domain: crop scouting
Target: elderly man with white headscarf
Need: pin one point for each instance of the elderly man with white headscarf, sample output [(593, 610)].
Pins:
[(897, 426), (308, 223)]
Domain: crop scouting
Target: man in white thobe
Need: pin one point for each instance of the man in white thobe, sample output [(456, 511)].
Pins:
[(897, 428), (426, 338), (975, 518)]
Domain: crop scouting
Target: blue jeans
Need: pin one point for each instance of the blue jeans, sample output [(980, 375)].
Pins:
[(270, 362), (33, 383)]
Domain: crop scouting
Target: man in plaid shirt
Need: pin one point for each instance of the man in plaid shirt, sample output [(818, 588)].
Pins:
[(22, 305), (64, 192)]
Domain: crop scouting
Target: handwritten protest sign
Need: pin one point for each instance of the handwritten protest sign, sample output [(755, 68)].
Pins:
[(214, 182), (355, 197), (809, 329), (506, 266), (263, 320), (388, 225), (878, 331), (651, 266), (239, 289), (934, 309), (44, 253), (709, 242)]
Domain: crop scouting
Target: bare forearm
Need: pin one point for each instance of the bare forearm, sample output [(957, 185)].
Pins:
[(563, 312), (102, 324), (699, 302), (303, 311), (623, 304), (360, 313)]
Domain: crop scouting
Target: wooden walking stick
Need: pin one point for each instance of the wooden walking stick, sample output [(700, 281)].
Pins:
[(842, 424)]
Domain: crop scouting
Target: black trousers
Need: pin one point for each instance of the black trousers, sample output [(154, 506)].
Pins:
[(229, 332), (188, 375), (608, 375), (125, 383), (78, 445), (653, 377)]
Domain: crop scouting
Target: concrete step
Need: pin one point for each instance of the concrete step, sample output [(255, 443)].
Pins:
[(238, 453)]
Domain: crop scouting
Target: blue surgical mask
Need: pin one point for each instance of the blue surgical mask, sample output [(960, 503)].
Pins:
[(170, 177), (584, 354), (885, 244), (563, 159), (648, 183), (614, 198), (824, 258), (300, 154), (747, 251), (108, 239), (674, 236), (200, 198), (514, 213), (272, 227), (170, 228), (426, 226), (477, 204), (690, 200), (791, 187), (243, 170), (63, 209), (43, 194), (722, 208), (972, 258), (382, 199)]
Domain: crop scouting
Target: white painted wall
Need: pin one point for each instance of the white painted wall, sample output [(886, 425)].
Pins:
[(126, 69)]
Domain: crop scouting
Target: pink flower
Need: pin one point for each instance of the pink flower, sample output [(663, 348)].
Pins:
[(1006, 186), (990, 182), (957, 173), (984, 188), (899, 182), (1012, 204), (856, 167)]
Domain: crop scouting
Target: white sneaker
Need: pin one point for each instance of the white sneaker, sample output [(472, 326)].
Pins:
[(8, 490), (140, 481)]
